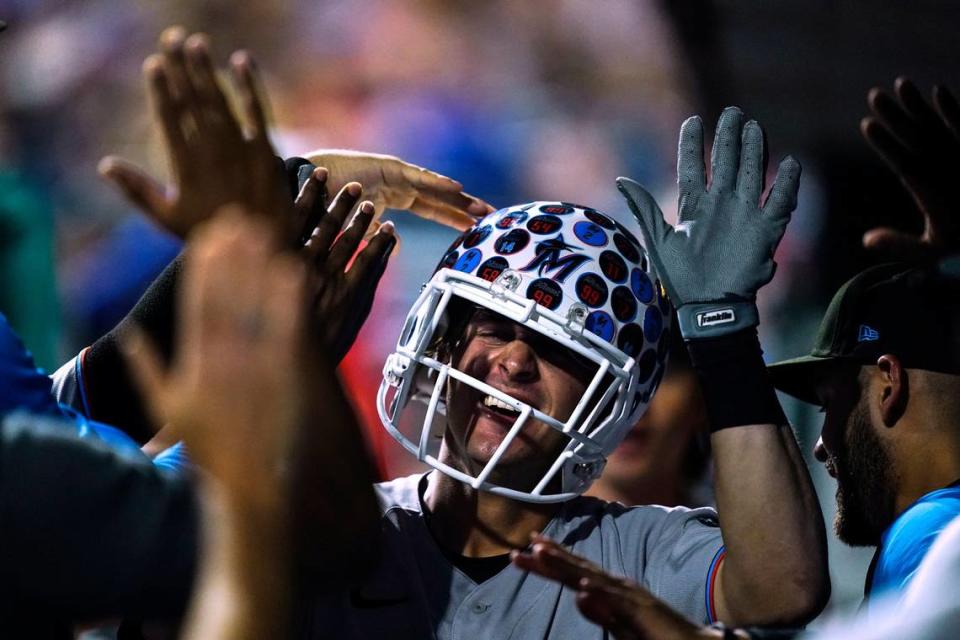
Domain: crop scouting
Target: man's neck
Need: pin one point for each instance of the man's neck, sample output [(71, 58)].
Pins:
[(480, 524), (928, 465)]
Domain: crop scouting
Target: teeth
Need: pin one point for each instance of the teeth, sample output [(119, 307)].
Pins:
[(490, 401)]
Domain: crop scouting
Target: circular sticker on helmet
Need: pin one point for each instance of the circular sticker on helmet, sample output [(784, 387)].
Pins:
[(542, 225), (601, 324), (623, 303), (627, 248), (492, 268), (592, 290), (595, 216), (477, 236), (556, 209), (590, 233), (512, 242), (450, 259), (641, 285), (630, 340), (622, 229), (545, 292), (652, 323), (468, 261), (511, 219), (645, 365), (613, 266)]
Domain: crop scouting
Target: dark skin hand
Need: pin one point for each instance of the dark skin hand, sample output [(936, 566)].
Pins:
[(621, 606), (215, 158), (920, 141)]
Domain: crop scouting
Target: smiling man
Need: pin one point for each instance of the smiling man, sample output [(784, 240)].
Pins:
[(530, 353), (886, 370)]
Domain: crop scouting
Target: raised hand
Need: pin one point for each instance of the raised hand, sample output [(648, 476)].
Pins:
[(341, 298), (721, 251), (214, 157), (921, 143), (621, 606), (391, 183)]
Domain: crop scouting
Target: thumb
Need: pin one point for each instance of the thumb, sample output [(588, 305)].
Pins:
[(644, 209), (148, 371), (137, 186)]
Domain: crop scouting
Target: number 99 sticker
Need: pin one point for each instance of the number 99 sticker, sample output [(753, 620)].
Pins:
[(592, 290), (545, 292)]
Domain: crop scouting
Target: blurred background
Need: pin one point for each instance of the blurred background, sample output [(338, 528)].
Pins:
[(519, 101)]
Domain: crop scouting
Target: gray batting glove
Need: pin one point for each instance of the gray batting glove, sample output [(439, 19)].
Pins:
[(721, 251)]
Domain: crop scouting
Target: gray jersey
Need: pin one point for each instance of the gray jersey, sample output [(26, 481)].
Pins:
[(417, 593)]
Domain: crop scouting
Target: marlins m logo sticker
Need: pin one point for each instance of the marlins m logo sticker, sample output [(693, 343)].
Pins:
[(549, 258)]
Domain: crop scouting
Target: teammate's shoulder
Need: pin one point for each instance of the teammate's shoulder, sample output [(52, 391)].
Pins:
[(399, 493)]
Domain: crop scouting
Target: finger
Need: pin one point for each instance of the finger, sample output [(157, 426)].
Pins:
[(252, 106), (175, 68), (422, 179), (370, 263), (168, 111), (894, 118), (203, 77), (346, 245), (318, 247), (148, 371), (725, 155), (442, 213), (914, 103), (750, 175), (311, 203), (896, 244), (599, 608), (783, 196), (691, 178), (899, 157), (948, 108), (138, 187), (645, 210)]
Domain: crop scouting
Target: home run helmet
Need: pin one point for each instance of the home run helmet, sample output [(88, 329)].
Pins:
[(570, 273)]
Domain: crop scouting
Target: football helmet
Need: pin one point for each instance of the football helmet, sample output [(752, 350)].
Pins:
[(571, 273)]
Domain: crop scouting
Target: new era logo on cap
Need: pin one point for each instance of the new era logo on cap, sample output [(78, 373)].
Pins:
[(868, 334)]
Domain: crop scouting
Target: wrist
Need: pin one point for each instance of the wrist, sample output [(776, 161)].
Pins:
[(734, 380), (701, 320)]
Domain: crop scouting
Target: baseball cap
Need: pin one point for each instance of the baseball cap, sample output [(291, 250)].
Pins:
[(899, 309)]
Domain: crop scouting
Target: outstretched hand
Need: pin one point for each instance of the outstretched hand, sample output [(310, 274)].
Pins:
[(621, 606), (721, 251), (340, 298), (921, 143), (391, 183), (215, 158)]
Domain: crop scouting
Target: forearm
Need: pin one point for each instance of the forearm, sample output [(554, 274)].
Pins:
[(775, 570), (244, 585), (775, 567), (112, 395)]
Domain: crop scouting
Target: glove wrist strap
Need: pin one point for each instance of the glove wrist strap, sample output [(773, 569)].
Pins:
[(701, 320), (736, 387)]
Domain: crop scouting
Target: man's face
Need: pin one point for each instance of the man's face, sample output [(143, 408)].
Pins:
[(854, 453), (526, 366)]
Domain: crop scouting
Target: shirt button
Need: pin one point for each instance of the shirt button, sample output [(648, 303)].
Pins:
[(480, 607)]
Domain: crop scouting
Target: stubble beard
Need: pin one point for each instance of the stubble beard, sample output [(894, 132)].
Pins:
[(866, 483)]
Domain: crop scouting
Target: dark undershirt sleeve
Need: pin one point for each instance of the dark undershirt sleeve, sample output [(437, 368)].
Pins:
[(87, 534)]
